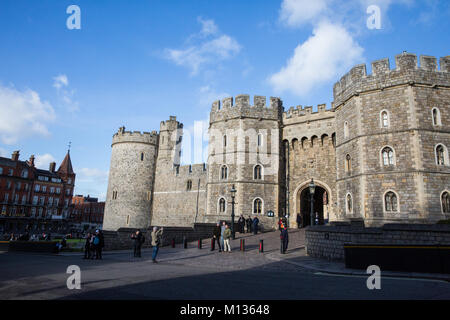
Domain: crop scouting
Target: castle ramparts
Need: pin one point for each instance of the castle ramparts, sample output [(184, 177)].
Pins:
[(135, 136), (241, 108), (407, 71)]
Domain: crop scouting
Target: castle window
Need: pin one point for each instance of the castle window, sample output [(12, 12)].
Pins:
[(224, 141), (345, 129), (441, 155), (222, 205), (257, 206), (390, 202), (388, 156), (436, 115), (142, 156), (128, 220), (348, 163), (149, 195), (445, 201), (257, 172), (189, 185), (384, 117), (260, 139), (114, 195), (224, 172), (349, 203)]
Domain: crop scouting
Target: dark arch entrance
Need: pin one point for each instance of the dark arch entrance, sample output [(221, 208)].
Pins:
[(320, 197)]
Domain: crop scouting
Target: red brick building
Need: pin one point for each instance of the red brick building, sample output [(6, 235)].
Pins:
[(33, 199), (87, 211)]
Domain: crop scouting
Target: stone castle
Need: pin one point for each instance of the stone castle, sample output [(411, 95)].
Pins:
[(379, 154)]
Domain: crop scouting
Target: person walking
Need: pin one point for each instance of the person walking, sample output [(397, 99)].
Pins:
[(156, 242), (299, 220), (87, 247), (102, 243), (216, 237), (138, 241), (255, 225), (96, 243), (284, 237), (227, 236), (222, 231), (249, 224), (92, 246), (241, 223)]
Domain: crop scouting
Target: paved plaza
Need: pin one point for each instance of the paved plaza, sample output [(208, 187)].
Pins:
[(201, 274)]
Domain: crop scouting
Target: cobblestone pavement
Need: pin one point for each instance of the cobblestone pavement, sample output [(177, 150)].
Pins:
[(202, 274)]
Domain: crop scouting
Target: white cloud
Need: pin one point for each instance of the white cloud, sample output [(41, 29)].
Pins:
[(92, 174), (42, 161), (91, 181), (61, 83), (295, 13), (3, 152), (23, 114), (206, 51), (329, 52)]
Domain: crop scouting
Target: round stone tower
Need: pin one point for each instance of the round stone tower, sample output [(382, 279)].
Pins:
[(131, 179)]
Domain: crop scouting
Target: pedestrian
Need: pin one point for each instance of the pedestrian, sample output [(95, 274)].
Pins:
[(317, 218), (299, 220), (92, 246), (249, 224), (227, 237), (255, 225), (156, 242), (241, 223), (216, 237), (96, 243), (280, 223), (222, 231), (284, 237), (87, 247), (138, 241), (102, 243)]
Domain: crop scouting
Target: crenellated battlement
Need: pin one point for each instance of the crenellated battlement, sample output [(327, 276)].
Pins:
[(171, 124), (306, 113), (406, 70), (240, 107), (135, 136), (191, 171)]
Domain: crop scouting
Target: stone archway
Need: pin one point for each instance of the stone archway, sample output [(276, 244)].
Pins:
[(301, 200)]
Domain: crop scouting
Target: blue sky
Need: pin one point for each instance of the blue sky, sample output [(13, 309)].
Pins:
[(135, 63)]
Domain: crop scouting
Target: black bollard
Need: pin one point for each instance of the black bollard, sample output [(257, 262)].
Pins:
[(242, 244), (199, 243), (184, 242), (261, 246)]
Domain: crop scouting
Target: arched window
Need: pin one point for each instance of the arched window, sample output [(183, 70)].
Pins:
[(345, 129), (257, 172), (349, 203), (189, 185), (348, 163), (257, 206), (388, 156), (436, 115), (390, 202), (222, 205), (384, 119), (445, 200), (224, 173), (441, 155)]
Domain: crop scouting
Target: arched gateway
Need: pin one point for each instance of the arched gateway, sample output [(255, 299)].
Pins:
[(302, 203)]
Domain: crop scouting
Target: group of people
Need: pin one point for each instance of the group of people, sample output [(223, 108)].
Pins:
[(139, 240), (94, 245), (222, 236), (248, 225), (284, 235)]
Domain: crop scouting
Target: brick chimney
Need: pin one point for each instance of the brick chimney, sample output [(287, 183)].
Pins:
[(52, 166), (31, 161), (15, 155)]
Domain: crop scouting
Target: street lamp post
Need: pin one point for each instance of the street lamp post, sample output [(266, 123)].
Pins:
[(233, 194), (312, 189)]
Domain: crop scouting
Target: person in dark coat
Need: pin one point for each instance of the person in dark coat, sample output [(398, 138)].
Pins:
[(255, 225), (284, 237), (299, 220), (100, 245), (216, 237), (87, 247), (97, 247), (249, 224), (241, 223), (138, 241)]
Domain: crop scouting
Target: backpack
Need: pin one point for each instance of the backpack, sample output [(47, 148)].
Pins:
[(96, 240)]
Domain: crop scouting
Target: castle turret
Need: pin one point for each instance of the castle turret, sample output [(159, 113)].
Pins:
[(131, 179), (171, 132)]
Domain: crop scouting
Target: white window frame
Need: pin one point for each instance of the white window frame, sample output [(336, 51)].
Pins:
[(346, 130), (346, 206), (438, 122), (220, 173), (384, 202), (262, 206), (446, 160), (262, 172), (393, 155), (442, 204), (388, 119), (218, 205)]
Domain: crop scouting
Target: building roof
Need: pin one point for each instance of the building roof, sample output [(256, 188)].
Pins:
[(66, 165)]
